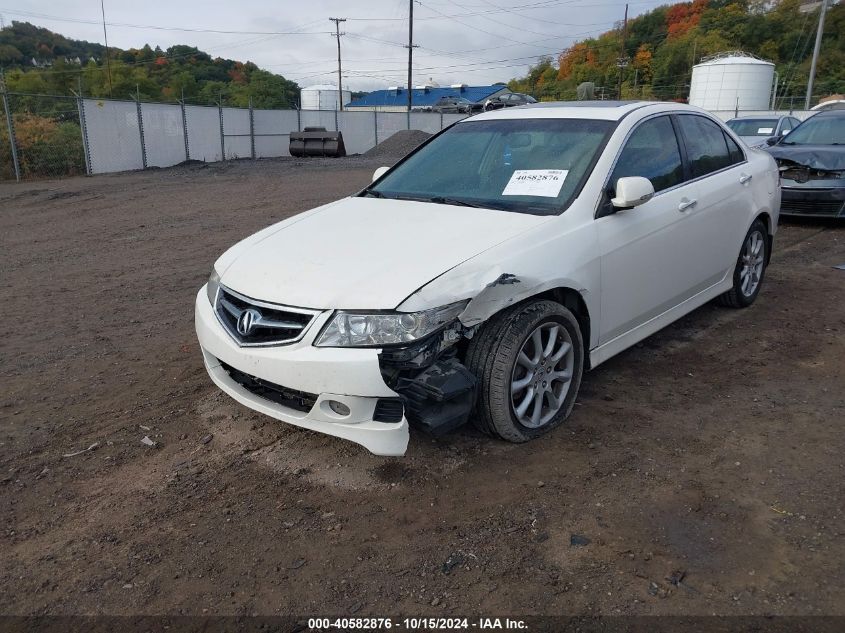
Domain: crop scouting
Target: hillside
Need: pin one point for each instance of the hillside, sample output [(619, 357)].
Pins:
[(662, 46), (36, 60)]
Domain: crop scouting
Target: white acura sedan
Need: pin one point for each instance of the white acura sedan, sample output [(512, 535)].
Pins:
[(479, 277)]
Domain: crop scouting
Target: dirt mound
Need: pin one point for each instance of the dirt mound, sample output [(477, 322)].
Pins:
[(399, 145)]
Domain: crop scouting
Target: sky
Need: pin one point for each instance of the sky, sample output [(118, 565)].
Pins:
[(476, 42)]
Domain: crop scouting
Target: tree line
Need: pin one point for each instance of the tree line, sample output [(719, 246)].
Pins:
[(38, 61), (661, 46)]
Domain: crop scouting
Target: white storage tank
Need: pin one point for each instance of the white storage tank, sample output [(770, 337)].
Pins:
[(322, 97), (732, 81)]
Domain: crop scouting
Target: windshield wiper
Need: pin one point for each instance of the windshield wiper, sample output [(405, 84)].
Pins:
[(454, 201), (373, 193)]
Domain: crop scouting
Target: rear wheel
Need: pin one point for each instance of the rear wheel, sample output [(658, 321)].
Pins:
[(750, 268), (529, 361)]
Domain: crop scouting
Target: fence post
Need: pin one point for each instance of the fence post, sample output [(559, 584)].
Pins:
[(185, 127), (441, 120), (141, 132), (408, 120), (12, 143), (375, 125), (80, 105), (336, 125), (222, 137), (251, 130)]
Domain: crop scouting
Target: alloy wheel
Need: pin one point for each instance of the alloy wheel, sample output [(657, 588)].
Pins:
[(752, 259), (542, 375)]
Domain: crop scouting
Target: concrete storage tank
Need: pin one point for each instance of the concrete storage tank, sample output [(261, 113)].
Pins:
[(322, 97), (732, 81)]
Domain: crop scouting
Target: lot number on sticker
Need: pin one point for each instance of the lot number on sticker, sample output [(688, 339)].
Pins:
[(765, 130), (536, 182)]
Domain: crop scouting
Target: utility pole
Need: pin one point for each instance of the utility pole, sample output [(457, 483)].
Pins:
[(623, 60), (337, 22), (815, 56), (410, 48), (106, 37)]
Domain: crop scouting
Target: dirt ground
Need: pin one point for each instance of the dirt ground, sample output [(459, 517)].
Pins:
[(713, 450)]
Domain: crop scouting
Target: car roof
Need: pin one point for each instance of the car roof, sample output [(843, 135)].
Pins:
[(601, 110), (826, 114)]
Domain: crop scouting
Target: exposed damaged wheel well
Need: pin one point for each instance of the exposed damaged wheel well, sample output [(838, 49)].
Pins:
[(438, 390)]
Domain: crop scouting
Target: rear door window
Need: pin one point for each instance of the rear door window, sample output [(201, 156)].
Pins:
[(707, 147), (734, 150)]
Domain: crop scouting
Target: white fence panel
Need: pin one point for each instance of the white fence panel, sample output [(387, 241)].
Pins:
[(359, 131), (114, 138), (203, 133), (389, 123), (236, 133), (164, 136), (272, 132), (317, 118), (426, 121)]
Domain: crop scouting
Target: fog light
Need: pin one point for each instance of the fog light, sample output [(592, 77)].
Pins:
[(339, 408)]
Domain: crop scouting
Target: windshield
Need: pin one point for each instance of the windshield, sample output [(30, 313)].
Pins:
[(818, 130), (523, 165), (529, 98), (753, 127)]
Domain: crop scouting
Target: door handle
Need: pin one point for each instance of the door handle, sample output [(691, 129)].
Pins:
[(744, 178), (686, 204)]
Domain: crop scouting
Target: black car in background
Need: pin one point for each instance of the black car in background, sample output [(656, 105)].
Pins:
[(811, 159), (508, 101), (455, 105)]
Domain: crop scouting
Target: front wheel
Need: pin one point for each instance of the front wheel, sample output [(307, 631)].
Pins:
[(528, 361), (750, 268)]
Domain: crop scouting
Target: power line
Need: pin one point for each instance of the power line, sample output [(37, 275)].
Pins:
[(155, 27)]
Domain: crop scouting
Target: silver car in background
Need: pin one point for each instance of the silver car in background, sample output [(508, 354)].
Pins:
[(755, 130)]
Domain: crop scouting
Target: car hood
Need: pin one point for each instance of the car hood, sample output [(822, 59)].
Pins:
[(821, 157), (363, 253)]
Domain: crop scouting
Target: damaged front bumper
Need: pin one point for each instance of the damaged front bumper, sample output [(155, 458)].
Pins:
[(813, 198), (437, 390), (809, 191), (299, 383)]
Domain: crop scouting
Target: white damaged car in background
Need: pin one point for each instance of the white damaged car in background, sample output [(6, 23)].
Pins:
[(478, 278)]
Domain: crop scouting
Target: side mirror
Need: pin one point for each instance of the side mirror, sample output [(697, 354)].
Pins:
[(378, 173), (632, 191), (772, 140)]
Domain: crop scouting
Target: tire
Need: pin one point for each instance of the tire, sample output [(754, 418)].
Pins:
[(494, 357), (753, 256)]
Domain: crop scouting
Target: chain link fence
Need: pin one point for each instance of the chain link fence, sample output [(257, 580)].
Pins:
[(45, 136), (51, 136), (41, 137)]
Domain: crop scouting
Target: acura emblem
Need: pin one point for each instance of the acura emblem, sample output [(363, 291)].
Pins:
[(247, 321)]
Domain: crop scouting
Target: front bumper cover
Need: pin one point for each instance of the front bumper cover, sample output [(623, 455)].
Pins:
[(349, 376), (815, 198)]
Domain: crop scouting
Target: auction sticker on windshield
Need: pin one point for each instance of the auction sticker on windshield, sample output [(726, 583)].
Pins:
[(536, 182)]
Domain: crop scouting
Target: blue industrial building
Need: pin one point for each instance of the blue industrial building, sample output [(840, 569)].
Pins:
[(422, 97)]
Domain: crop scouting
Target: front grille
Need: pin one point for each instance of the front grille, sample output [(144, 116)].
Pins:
[(811, 207), (254, 323), (290, 398), (388, 410)]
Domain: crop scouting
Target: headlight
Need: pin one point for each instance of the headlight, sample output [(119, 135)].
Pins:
[(351, 329), (212, 286)]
